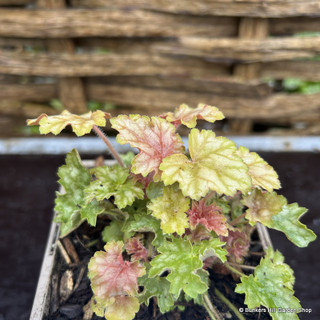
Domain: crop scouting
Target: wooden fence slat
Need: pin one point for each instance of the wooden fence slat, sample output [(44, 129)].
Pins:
[(215, 85), (287, 26), (275, 106), (85, 23), (249, 8), (305, 70), (249, 50), (71, 90), (271, 108), (16, 2), (70, 65)]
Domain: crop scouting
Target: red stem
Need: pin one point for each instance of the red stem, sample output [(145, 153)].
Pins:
[(107, 142)]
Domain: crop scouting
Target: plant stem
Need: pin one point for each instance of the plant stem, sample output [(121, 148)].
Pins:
[(212, 311), (235, 221), (235, 270), (229, 304), (242, 266), (107, 142)]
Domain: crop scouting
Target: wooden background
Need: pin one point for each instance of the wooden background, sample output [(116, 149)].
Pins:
[(149, 56)]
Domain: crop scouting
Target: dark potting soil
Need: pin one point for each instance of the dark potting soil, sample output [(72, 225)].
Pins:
[(74, 303)]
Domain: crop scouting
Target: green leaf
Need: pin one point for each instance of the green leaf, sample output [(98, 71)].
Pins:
[(81, 125), (262, 206), (270, 286), (127, 158), (144, 223), (114, 181), (183, 260), (158, 287), (171, 209), (74, 177), (214, 165), (210, 248), (262, 174), (113, 231), (287, 221), (91, 212), (154, 189)]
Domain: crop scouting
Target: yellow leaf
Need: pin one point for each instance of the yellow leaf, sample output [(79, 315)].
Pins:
[(188, 116), (214, 165), (80, 124), (171, 209), (262, 174)]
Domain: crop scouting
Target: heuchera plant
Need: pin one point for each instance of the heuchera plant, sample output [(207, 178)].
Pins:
[(175, 213)]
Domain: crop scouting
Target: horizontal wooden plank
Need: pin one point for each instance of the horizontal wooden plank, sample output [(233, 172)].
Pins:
[(16, 2), (154, 101), (275, 106), (28, 92), (249, 50), (73, 65), (55, 23), (288, 26), (215, 85), (306, 70), (250, 8)]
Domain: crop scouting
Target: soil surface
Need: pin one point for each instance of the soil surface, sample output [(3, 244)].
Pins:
[(27, 185)]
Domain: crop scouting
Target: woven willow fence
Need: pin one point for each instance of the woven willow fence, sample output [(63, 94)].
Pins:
[(149, 56)]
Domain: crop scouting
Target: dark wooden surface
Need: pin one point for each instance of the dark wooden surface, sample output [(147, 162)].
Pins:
[(27, 187)]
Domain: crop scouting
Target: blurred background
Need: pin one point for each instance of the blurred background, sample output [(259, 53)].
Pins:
[(258, 61)]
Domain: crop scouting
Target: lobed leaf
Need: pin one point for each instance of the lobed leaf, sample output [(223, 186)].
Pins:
[(210, 216), (70, 207), (81, 125), (116, 308), (158, 287), (214, 165), (188, 116), (155, 139), (183, 261), (136, 249), (115, 291), (114, 181), (113, 231), (237, 244), (287, 221), (171, 209), (262, 206), (270, 286), (262, 174), (142, 222)]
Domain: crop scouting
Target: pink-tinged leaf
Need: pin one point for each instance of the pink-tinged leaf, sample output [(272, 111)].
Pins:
[(111, 276), (210, 216), (237, 244), (138, 251), (188, 116), (155, 139)]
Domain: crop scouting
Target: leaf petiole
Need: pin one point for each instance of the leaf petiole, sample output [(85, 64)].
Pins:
[(229, 304), (234, 270), (107, 142), (212, 311)]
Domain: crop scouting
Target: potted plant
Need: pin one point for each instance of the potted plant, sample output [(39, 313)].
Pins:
[(172, 218)]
